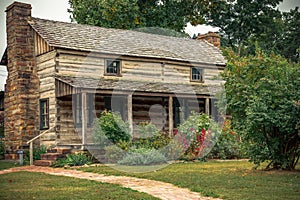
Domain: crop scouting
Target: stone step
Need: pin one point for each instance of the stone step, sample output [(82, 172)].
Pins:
[(59, 150), (52, 156), (43, 163)]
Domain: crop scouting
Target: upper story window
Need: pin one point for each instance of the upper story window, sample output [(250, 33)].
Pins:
[(197, 74), (113, 67), (44, 114)]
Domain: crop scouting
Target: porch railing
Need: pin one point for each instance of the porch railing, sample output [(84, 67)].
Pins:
[(30, 142)]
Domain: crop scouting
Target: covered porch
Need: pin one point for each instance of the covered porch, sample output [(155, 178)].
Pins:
[(79, 105)]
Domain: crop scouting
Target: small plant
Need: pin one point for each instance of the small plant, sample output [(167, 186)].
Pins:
[(113, 153), (74, 160), (37, 152), (2, 149), (143, 156)]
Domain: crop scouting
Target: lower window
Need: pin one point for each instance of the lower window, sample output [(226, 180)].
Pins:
[(44, 114)]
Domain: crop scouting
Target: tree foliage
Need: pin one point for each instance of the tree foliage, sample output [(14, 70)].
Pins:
[(129, 14), (242, 19), (246, 23), (289, 42), (263, 97)]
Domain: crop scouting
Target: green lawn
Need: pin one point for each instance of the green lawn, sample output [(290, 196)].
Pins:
[(26, 185), (228, 180), (7, 164)]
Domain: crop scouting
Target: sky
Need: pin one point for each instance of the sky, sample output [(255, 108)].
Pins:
[(57, 10)]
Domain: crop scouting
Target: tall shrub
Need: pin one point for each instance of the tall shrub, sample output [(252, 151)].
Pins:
[(263, 97)]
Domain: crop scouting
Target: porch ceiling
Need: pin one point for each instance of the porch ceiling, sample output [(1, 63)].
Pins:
[(67, 85)]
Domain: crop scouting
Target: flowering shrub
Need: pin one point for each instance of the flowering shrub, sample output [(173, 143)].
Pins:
[(197, 135)]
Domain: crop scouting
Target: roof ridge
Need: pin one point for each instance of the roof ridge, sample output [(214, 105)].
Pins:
[(106, 28)]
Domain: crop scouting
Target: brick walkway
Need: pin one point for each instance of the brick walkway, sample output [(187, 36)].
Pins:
[(161, 190)]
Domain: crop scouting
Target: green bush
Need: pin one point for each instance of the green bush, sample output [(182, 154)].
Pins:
[(110, 128), (73, 160), (149, 137), (228, 145), (113, 153), (143, 156)]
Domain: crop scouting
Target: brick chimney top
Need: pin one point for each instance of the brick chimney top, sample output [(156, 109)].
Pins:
[(211, 37), (20, 5)]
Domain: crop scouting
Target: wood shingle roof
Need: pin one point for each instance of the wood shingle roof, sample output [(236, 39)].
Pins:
[(125, 42)]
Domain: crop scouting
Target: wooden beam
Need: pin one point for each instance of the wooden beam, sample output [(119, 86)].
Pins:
[(83, 121), (130, 116), (207, 106), (171, 116)]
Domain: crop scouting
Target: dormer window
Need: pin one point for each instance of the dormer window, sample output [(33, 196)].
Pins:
[(196, 74), (113, 68)]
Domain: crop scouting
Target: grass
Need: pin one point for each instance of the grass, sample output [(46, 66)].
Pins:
[(28, 185), (7, 164), (228, 180)]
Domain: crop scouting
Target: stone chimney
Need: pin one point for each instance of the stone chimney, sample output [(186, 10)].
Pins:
[(21, 90), (211, 37)]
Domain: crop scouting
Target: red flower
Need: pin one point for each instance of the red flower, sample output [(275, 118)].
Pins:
[(175, 132)]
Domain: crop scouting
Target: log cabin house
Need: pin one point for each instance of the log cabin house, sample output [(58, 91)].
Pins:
[(63, 75)]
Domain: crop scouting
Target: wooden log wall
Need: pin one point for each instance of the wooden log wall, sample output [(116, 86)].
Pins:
[(81, 64), (46, 73), (154, 109), (77, 65), (66, 132)]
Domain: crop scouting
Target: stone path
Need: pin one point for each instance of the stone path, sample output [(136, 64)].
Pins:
[(161, 190)]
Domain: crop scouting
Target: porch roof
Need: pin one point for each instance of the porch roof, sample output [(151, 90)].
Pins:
[(69, 85)]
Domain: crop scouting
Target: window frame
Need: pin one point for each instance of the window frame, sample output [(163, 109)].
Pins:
[(118, 67), (199, 69), (44, 116), (77, 109)]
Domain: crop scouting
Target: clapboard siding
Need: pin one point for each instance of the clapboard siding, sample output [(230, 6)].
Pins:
[(41, 46)]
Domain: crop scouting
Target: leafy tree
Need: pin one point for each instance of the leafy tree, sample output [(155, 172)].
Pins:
[(122, 14), (263, 97), (129, 14), (239, 20), (290, 40)]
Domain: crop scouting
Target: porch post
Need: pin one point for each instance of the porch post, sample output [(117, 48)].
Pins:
[(171, 115), (129, 114), (207, 106), (83, 121)]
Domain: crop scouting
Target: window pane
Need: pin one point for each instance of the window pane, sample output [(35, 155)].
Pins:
[(44, 114), (197, 74), (112, 67)]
